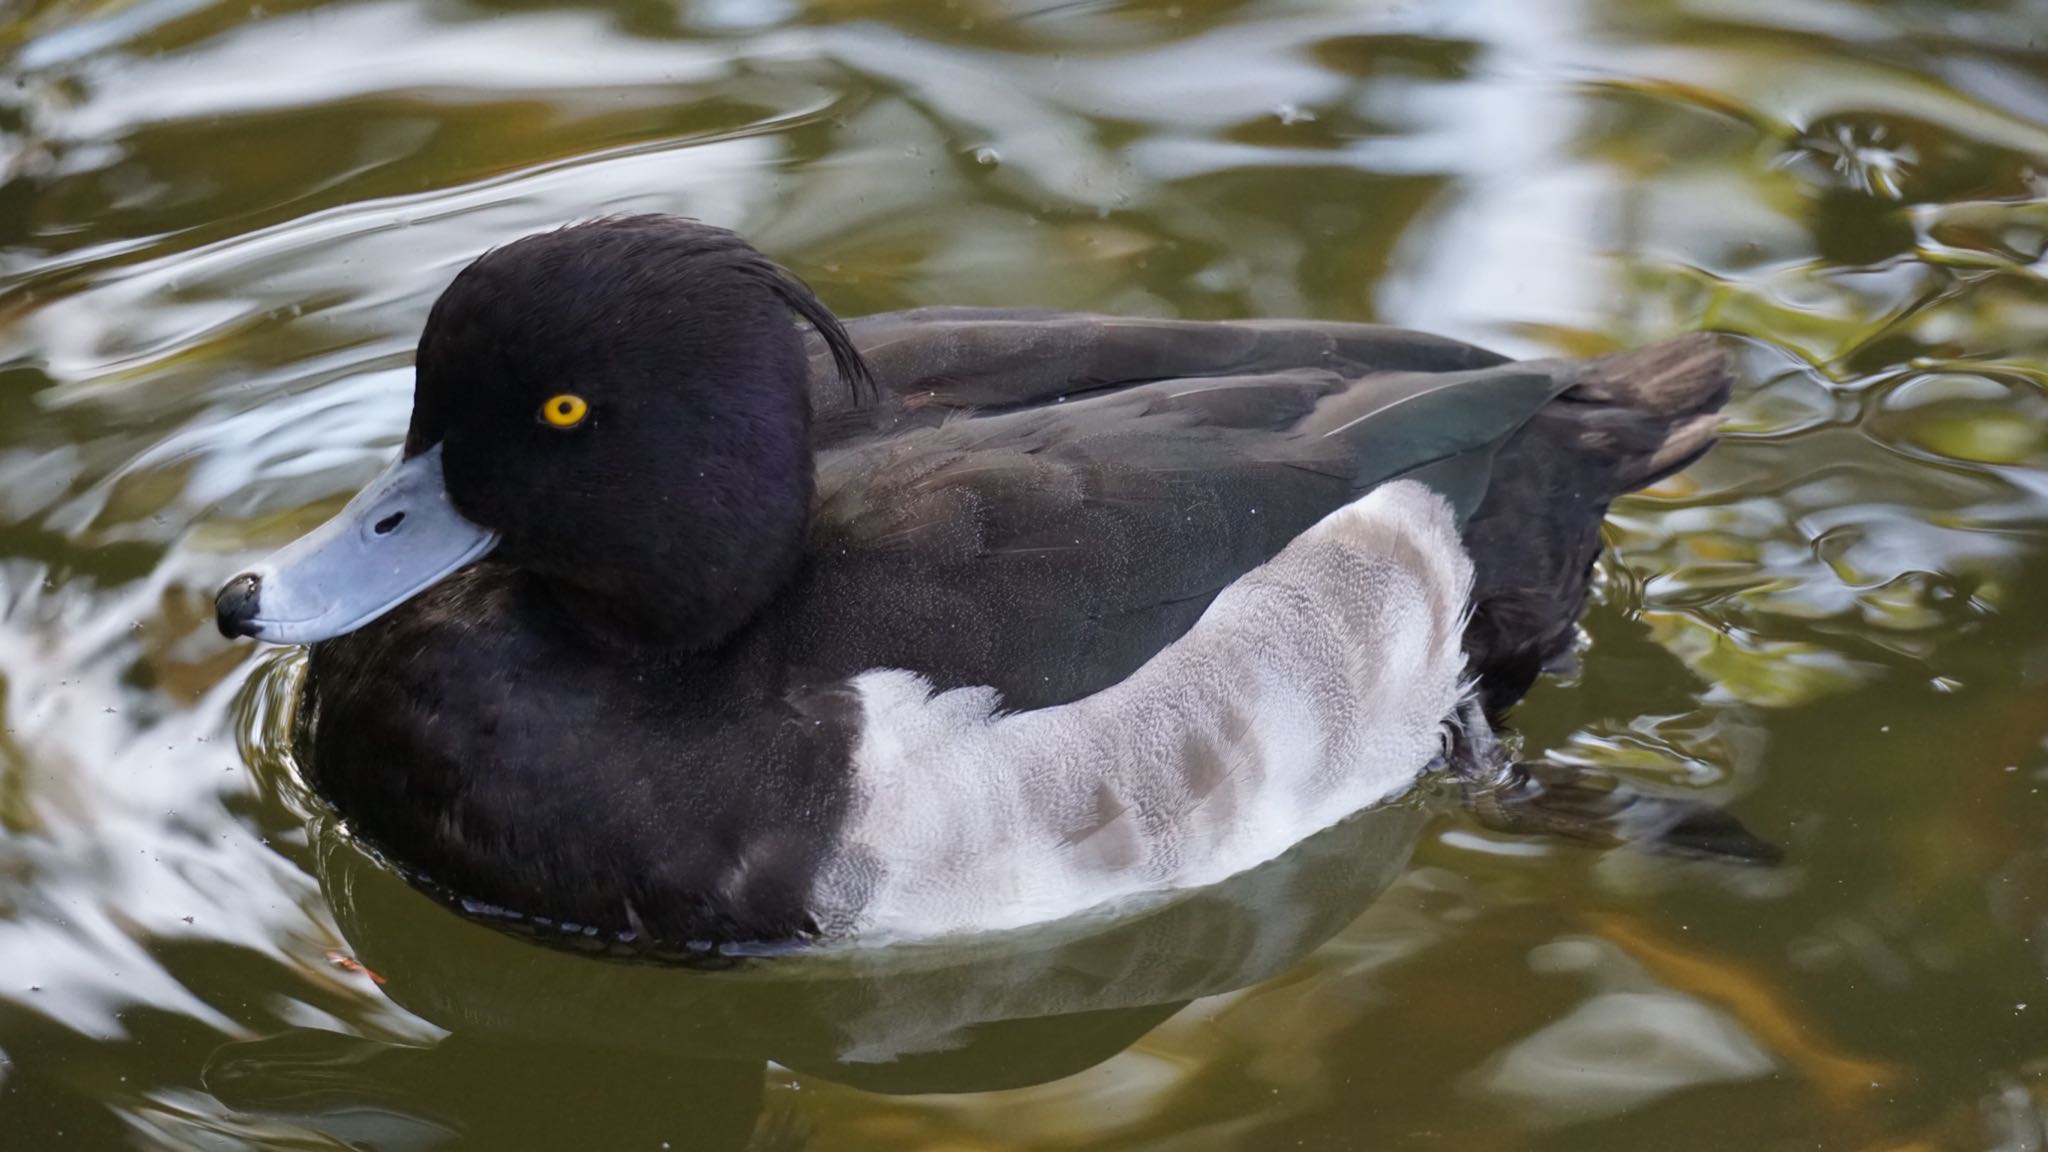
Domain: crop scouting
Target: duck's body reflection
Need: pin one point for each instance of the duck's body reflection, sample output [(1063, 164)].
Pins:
[(684, 1052)]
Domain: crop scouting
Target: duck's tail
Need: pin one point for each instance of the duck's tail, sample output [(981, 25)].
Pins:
[(1625, 422)]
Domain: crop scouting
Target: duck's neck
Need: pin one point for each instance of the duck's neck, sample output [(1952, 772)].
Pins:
[(665, 621), (700, 586)]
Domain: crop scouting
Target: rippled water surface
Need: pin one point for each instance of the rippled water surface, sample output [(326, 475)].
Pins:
[(221, 225)]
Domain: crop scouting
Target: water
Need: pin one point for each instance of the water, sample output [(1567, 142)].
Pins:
[(221, 225)]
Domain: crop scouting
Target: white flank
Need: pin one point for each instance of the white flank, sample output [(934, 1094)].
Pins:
[(1314, 686)]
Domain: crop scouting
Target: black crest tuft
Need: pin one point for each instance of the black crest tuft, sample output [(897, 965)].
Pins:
[(723, 250)]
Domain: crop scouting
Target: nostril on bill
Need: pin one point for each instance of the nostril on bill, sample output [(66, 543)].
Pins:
[(388, 524), (234, 610)]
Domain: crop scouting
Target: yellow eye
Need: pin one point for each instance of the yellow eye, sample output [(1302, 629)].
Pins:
[(564, 411)]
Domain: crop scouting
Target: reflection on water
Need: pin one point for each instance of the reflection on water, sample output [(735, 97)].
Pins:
[(972, 1015), (220, 227)]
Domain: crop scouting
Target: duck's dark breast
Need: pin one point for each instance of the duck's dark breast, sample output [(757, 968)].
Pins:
[(484, 745)]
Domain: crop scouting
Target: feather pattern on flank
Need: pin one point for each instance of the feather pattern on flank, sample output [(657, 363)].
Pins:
[(1314, 686)]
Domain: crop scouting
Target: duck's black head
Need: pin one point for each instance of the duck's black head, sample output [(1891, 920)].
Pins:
[(621, 408)]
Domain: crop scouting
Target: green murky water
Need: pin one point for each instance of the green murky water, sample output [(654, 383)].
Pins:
[(221, 225)]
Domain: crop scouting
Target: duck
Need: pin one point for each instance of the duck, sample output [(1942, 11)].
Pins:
[(691, 616)]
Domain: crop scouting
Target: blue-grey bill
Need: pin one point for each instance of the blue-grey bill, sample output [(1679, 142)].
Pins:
[(397, 538)]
